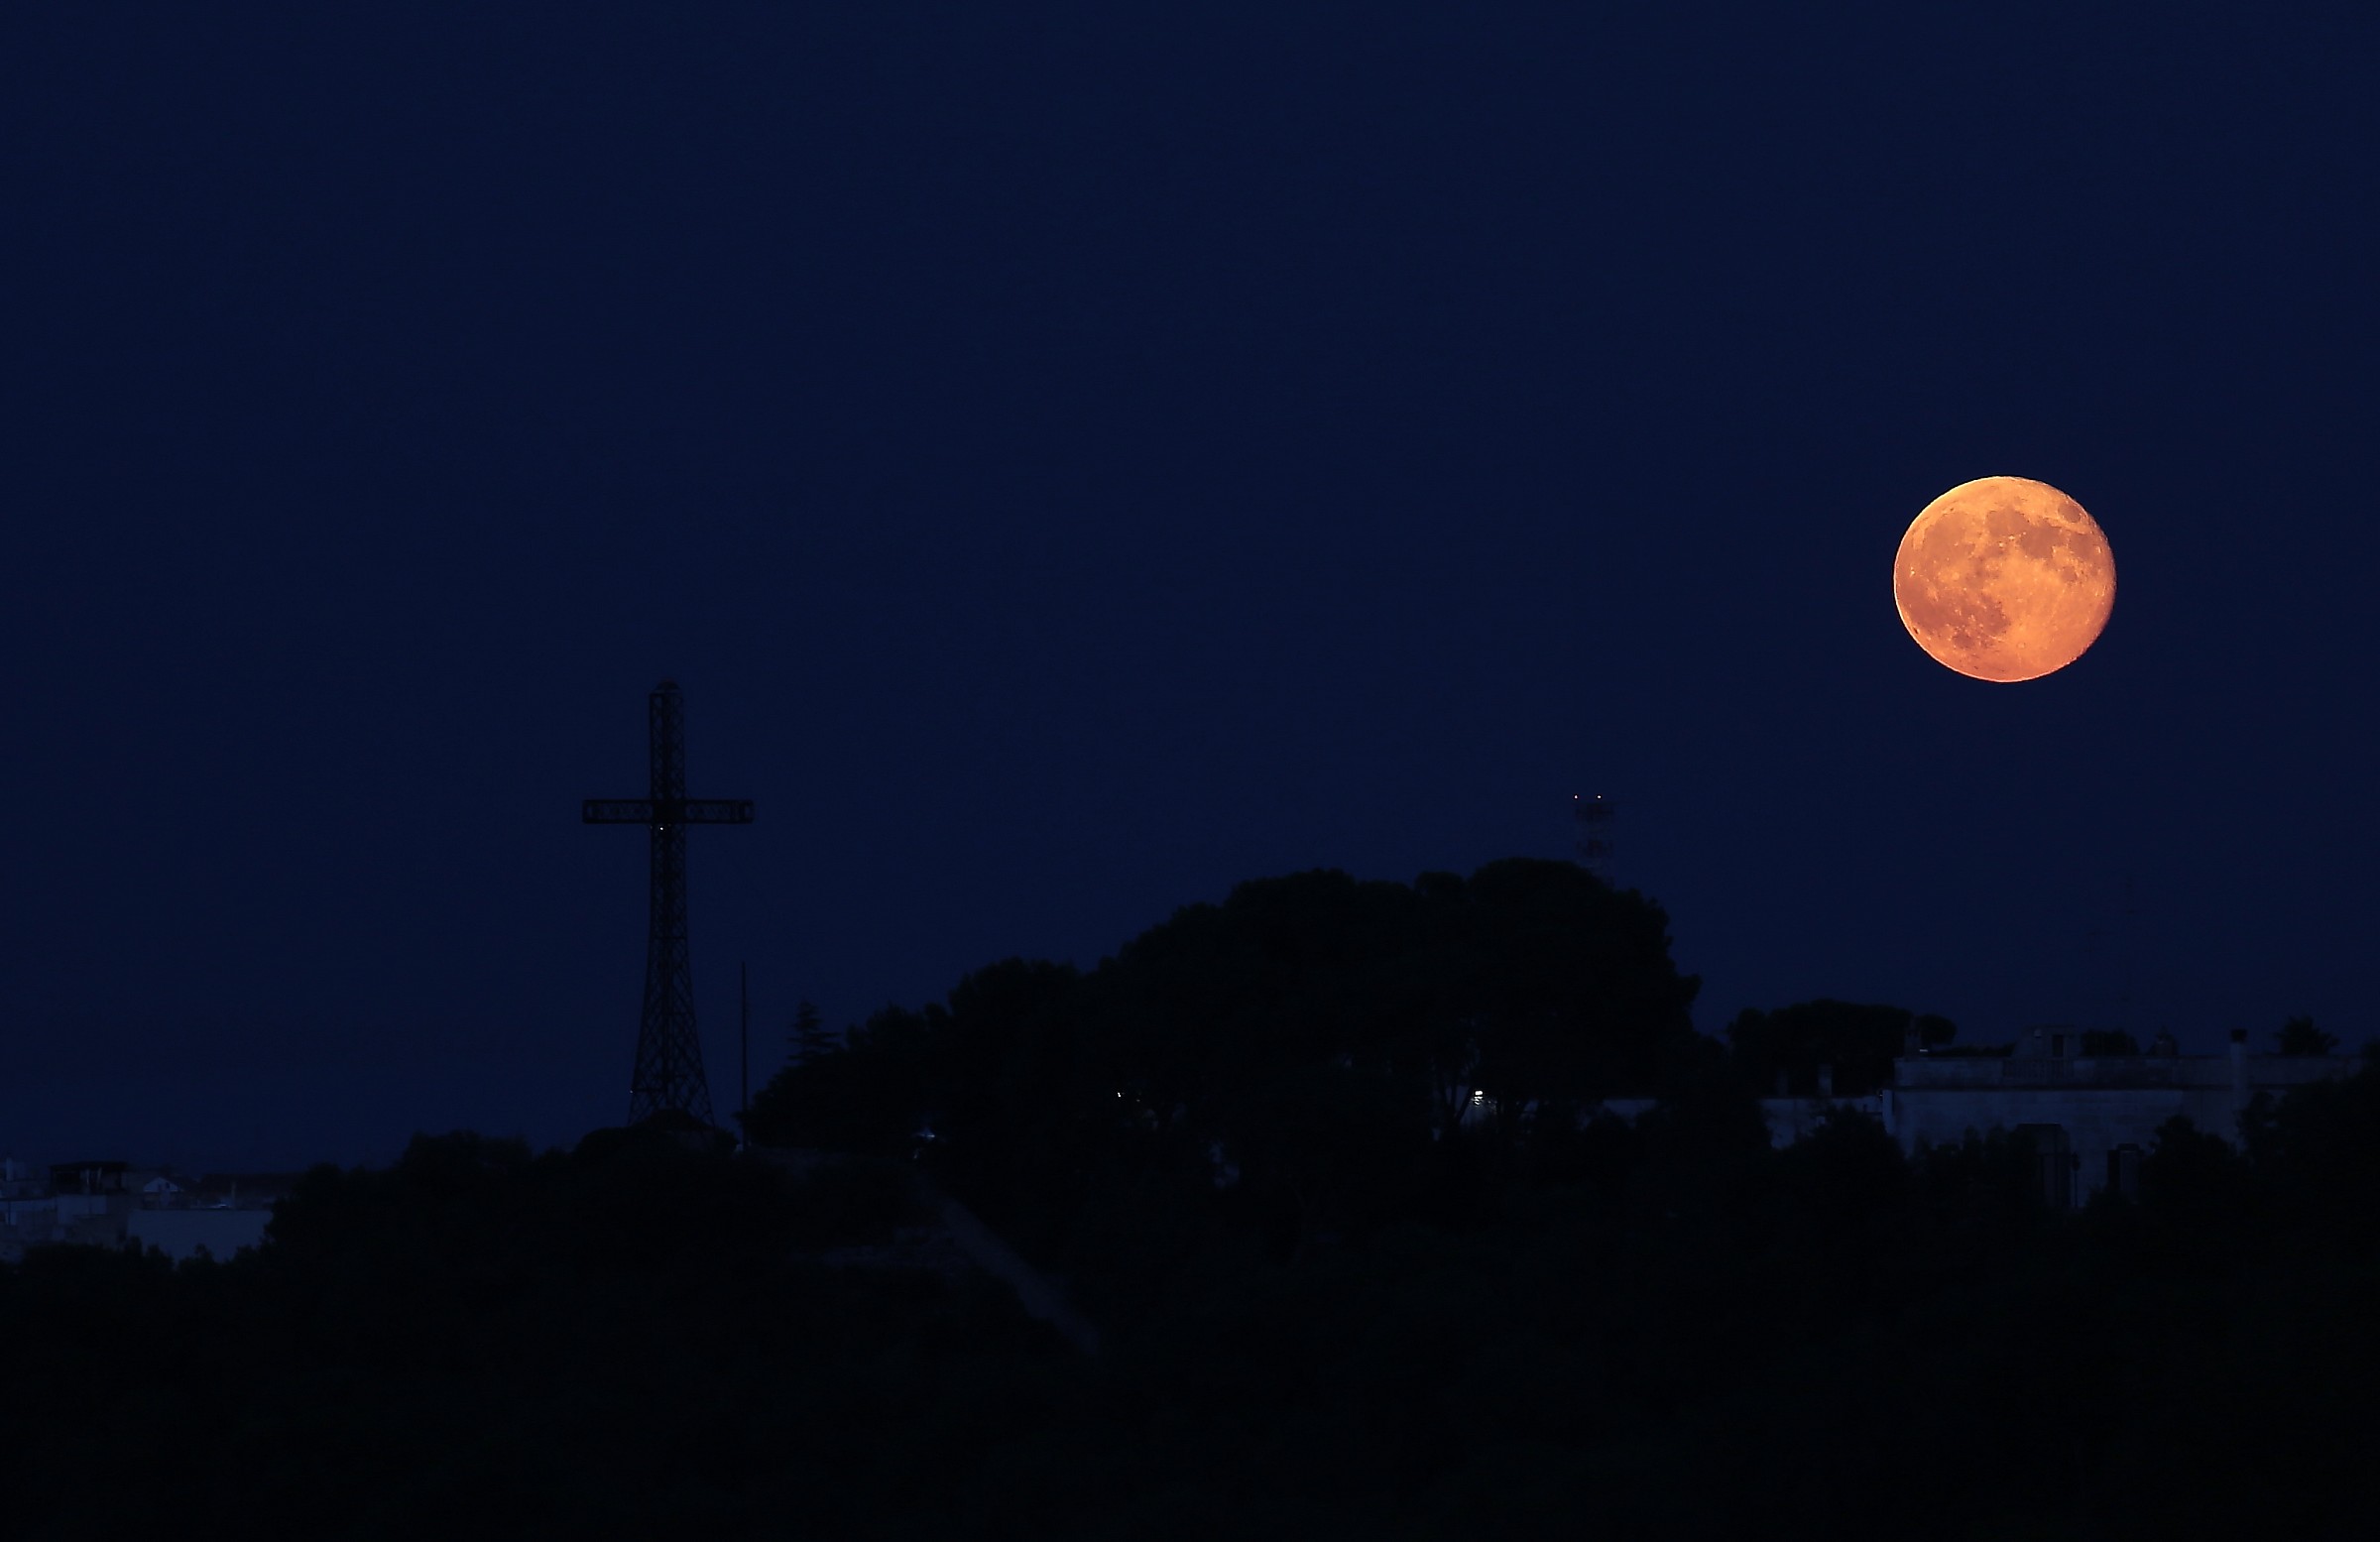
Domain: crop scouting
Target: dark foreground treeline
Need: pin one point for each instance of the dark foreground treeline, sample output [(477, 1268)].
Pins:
[(1336, 1298)]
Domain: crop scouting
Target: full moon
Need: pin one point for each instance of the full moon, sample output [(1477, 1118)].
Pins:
[(2004, 579)]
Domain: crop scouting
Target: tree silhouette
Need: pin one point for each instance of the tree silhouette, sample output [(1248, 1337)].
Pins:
[(2299, 1036), (1669, 1326), (808, 1038), (1857, 1042)]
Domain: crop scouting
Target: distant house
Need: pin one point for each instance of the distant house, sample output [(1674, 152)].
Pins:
[(108, 1204), (84, 1202), (2092, 1119), (28, 1209)]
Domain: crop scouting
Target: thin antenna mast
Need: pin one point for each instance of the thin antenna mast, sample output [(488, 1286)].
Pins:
[(1591, 833)]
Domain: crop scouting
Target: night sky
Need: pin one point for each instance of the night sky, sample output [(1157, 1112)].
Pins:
[(1076, 458)]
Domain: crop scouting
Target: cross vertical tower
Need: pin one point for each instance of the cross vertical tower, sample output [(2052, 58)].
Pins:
[(668, 1054)]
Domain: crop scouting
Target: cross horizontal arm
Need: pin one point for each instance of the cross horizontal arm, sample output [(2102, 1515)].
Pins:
[(645, 810)]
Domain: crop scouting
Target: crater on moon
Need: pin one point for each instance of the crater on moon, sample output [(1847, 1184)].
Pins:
[(2004, 579)]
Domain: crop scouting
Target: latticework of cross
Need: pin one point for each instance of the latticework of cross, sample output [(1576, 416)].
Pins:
[(668, 1074)]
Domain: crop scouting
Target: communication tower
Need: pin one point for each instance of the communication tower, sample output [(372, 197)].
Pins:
[(1591, 832)]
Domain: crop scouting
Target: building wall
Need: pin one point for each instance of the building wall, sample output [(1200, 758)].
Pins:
[(2083, 1110), (2095, 1121), (2091, 1108), (33, 1213)]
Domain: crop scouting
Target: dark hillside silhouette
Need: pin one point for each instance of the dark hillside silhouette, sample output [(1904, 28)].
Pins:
[(1329, 1298)]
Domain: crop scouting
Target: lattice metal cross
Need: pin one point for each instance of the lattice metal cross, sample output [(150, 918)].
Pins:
[(668, 1074)]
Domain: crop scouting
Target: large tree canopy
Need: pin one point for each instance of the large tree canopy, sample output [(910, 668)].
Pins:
[(1311, 1037)]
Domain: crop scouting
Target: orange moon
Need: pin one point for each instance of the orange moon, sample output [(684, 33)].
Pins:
[(2004, 579)]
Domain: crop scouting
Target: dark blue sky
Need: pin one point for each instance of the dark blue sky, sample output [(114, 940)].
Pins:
[(1075, 458)]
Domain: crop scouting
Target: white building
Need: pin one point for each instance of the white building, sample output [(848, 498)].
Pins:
[(2092, 1119), (108, 1204)]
